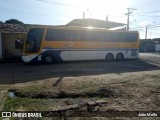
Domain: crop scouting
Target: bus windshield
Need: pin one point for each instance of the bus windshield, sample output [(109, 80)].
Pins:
[(33, 41)]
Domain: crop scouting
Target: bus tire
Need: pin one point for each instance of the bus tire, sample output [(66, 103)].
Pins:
[(119, 56), (48, 59), (109, 57)]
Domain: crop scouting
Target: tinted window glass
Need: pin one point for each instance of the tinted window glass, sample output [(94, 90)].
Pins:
[(75, 35), (89, 35), (131, 37), (53, 34), (117, 37), (33, 41), (56, 35)]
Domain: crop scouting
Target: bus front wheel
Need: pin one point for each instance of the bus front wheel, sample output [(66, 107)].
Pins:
[(48, 59)]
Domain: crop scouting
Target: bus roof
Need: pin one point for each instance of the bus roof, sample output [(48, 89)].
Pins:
[(79, 28)]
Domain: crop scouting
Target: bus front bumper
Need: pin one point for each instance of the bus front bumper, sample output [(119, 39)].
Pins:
[(28, 58)]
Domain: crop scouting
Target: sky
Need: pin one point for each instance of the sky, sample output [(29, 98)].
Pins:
[(60, 12)]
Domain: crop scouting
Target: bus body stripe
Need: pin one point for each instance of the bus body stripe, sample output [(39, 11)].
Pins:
[(89, 45), (109, 49)]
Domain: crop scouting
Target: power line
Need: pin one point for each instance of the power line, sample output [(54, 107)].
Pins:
[(151, 12), (69, 5), (144, 28), (32, 14), (153, 27), (149, 15)]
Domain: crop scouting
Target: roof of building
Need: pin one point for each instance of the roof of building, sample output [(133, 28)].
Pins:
[(94, 23), (15, 28)]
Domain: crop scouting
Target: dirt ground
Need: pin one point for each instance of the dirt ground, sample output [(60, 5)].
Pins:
[(129, 85)]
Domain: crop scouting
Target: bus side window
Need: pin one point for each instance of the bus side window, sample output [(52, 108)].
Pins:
[(89, 35), (119, 37), (73, 35), (79, 35), (107, 36), (60, 35), (76, 35), (52, 35), (49, 35), (69, 35), (132, 37), (101, 36)]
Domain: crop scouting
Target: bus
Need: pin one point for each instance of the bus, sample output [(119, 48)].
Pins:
[(51, 44)]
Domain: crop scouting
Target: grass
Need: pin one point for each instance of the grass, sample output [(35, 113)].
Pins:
[(131, 89), (157, 80), (47, 90), (87, 86), (29, 91), (29, 104), (22, 104)]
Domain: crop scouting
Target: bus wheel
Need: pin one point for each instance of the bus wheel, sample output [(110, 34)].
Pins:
[(48, 59), (119, 56), (109, 57)]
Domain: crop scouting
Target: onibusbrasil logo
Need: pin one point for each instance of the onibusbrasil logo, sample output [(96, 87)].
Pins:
[(21, 114)]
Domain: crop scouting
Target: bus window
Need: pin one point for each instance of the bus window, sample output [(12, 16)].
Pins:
[(33, 41), (117, 37), (62, 35), (132, 37), (89, 35), (104, 36), (50, 35), (55, 35), (74, 35)]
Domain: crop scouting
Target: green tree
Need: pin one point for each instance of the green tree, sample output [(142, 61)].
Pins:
[(1, 22), (13, 21)]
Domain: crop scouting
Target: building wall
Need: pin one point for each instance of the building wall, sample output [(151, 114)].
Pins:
[(147, 46), (157, 48), (9, 49)]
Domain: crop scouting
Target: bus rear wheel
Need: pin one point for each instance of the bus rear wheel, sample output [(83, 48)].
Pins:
[(119, 56), (109, 57), (48, 59)]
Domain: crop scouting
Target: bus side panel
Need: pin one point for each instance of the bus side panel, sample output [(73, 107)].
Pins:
[(72, 55), (55, 54), (60, 55), (96, 55)]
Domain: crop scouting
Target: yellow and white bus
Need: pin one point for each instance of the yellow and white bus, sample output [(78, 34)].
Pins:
[(55, 44)]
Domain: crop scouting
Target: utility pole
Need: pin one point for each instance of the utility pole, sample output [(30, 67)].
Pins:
[(146, 33), (106, 17), (128, 13), (83, 14)]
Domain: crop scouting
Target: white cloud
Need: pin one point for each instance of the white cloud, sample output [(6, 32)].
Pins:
[(145, 23), (154, 33), (151, 33)]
